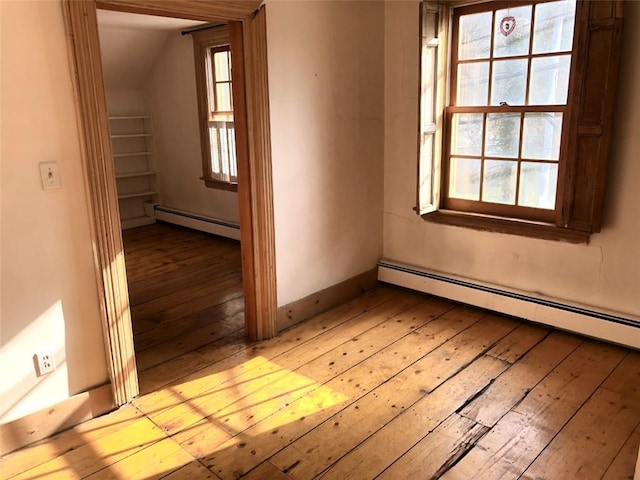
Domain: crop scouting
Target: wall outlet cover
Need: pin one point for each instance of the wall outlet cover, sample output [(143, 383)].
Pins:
[(44, 361)]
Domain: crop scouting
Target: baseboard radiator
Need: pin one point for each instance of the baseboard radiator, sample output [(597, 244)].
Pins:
[(197, 222), (611, 326)]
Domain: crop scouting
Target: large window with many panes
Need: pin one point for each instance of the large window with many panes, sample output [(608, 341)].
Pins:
[(510, 76), (504, 92)]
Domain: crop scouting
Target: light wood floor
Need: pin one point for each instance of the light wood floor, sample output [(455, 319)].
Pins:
[(185, 289), (391, 385)]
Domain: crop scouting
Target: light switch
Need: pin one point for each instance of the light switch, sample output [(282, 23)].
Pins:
[(50, 175)]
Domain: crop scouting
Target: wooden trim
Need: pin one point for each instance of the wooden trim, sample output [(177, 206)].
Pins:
[(84, 47), (256, 214), (500, 225), (209, 11), (596, 64), (497, 209), (66, 414), (323, 300), (256, 193), (219, 184)]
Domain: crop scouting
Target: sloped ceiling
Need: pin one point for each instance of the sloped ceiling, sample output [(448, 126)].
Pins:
[(130, 45)]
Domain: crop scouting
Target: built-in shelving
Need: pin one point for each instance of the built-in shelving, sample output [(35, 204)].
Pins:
[(132, 135), (131, 154), (147, 193), (131, 140), (135, 174), (130, 117)]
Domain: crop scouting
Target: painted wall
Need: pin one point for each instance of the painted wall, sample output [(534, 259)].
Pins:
[(150, 70), (169, 93), (326, 81), (48, 294), (605, 273)]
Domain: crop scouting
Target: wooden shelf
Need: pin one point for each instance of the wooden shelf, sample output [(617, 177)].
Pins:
[(131, 154), (131, 135), (130, 117), (136, 179), (135, 174), (147, 193)]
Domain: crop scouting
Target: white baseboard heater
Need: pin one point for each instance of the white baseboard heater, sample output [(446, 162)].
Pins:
[(612, 326), (197, 222)]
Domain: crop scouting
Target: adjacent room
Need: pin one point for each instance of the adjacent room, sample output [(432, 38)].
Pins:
[(320, 239), (178, 206)]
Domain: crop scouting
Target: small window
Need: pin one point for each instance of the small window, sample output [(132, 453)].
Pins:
[(215, 98), (504, 90)]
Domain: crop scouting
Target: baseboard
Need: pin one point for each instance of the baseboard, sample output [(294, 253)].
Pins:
[(610, 326), (127, 223), (197, 222), (323, 300), (66, 414)]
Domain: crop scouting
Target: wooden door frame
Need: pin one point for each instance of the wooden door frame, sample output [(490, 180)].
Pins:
[(255, 189)]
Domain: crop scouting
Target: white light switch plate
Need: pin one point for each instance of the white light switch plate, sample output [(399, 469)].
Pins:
[(50, 175)]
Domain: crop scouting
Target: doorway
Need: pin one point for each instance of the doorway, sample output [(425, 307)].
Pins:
[(248, 44)]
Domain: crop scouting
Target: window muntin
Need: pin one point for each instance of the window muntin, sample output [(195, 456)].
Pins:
[(509, 72)]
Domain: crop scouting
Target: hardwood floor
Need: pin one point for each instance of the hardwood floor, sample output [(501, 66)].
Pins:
[(391, 385), (185, 289)]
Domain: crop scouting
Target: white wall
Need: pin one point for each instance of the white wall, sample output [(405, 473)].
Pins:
[(326, 73), (49, 293), (605, 273), (170, 96), (125, 102)]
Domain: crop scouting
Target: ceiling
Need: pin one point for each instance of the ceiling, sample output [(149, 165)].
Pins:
[(131, 43)]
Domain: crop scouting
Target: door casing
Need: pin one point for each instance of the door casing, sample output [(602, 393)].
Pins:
[(255, 190)]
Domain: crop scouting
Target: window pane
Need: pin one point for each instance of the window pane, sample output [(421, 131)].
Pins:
[(512, 32), (503, 135), (464, 178), (466, 134), (549, 80), (474, 35), (499, 181), (223, 97), (223, 149), (473, 84), (509, 82), (538, 185), (541, 135), (221, 63), (553, 27)]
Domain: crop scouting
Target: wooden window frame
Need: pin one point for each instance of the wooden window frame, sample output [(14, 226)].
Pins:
[(585, 146), (216, 38)]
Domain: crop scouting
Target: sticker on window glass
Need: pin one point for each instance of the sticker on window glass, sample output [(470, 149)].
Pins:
[(507, 25)]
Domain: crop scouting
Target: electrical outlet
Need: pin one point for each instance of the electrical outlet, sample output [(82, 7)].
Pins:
[(45, 361)]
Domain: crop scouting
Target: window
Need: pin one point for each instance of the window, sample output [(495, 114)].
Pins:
[(215, 101), (515, 114)]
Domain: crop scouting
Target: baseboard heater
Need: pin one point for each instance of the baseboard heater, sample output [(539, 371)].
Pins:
[(197, 222), (612, 326)]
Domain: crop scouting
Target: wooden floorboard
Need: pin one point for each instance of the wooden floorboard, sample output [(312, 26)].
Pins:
[(391, 385), (186, 293)]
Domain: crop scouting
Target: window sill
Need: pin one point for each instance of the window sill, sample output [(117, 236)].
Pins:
[(220, 185), (544, 231)]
